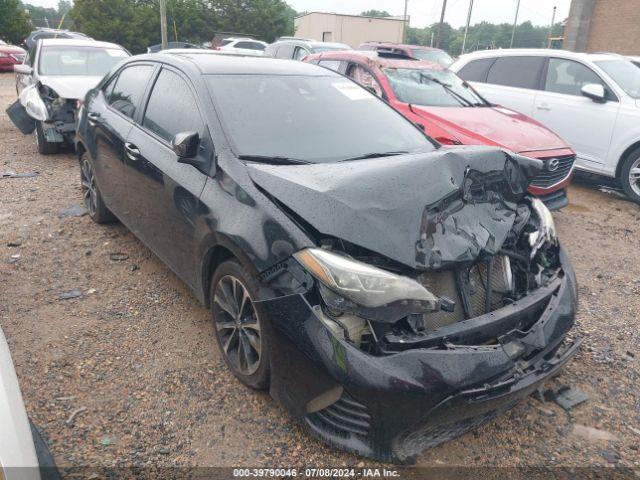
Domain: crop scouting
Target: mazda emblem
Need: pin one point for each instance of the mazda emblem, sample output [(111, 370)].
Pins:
[(553, 164)]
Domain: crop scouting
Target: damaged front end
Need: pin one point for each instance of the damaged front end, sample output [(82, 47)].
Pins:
[(40, 103), (388, 354)]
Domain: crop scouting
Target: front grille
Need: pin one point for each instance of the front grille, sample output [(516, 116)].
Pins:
[(547, 178), (344, 418)]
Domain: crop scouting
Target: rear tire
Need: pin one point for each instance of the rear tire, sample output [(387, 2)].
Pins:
[(44, 147), (93, 201), (242, 329), (630, 175)]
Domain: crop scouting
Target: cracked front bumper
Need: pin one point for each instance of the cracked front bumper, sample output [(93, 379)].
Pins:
[(392, 407)]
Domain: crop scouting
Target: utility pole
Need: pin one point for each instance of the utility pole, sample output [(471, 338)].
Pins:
[(553, 21), (439, 34), (515, 22), (466, 29), (404, 24), (163, 23)]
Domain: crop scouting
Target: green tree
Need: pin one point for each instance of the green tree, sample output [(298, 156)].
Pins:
[(375, 13), (14, 21)]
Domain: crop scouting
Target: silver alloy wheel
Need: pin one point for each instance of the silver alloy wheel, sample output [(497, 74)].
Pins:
[(634, 176), (237, 325), (88, 181)]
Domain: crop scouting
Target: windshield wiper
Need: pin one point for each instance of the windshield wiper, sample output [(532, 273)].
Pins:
[(447, 88), (376, 155), (275, 160)]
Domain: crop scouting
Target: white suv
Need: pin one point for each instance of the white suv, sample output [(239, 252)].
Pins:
[(590, 100), (242, 46)]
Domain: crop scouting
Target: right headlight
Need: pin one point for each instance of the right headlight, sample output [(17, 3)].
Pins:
[(363, 284), (33, 103)]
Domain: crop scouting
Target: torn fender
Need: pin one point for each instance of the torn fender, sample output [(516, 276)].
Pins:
[(424, 210)]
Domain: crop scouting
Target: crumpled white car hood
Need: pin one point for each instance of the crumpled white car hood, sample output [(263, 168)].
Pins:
[(70, 86)]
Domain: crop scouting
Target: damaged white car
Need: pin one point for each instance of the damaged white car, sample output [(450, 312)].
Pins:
[(51, 84)]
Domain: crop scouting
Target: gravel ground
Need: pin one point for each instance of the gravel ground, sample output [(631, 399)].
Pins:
[(135, 352)]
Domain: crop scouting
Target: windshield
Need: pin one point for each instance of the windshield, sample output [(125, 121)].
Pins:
[(70, 60), (310, 119), (434, 88), (624, 73), (435, 56)]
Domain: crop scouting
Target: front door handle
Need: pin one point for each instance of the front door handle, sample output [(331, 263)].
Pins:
[(93, 118), (132, 151), (544, 106)]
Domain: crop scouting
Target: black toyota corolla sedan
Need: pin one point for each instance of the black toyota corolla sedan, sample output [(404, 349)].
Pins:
[(391, 293)]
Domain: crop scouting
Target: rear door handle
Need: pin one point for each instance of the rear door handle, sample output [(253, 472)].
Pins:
[(132, 151), (93, 118), (544, 106)]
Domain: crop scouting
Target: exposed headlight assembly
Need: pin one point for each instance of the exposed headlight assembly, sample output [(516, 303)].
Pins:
[(33, 104), (356, 287), (547, 231)]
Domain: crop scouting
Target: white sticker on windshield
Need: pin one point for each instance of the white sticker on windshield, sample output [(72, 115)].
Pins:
[(352, 91)]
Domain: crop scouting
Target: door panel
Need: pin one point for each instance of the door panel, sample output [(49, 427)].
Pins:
[(163, 193), (107, 131), (164, 198), (586, 125), (110, 121)]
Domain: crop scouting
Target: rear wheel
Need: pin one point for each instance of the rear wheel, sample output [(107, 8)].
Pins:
[(93, 201), (44, 147), (630, 176), (241, 327)]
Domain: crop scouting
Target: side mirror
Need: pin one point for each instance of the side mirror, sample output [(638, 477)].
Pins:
[(594, 91), (23, 69), (186, 144)]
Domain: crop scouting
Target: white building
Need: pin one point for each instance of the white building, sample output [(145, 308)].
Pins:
[(350, 29)]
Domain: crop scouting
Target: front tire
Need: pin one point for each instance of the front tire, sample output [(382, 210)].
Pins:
[(93, 201), (630, 176), (241, 327), (44, 147)]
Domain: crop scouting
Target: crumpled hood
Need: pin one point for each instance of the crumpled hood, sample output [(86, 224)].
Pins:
[(423, 210), (70, 86), (12, 49), (497, 126)]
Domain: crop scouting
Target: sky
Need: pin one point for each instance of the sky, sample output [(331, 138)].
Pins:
[(426, 12)]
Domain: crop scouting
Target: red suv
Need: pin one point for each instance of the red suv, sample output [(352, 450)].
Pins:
[(452, 112)]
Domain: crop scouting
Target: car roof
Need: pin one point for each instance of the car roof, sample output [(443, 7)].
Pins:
[(240, 65), (399, 45), (547, 52), (312, 43), (78, 42), (380, 60)]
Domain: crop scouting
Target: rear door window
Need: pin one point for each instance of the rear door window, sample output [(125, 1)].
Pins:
[(172, 108), (129, 89), (476, 70), (519, 72)]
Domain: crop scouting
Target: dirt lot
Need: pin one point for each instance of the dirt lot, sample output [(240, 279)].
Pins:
[(136, 352)]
